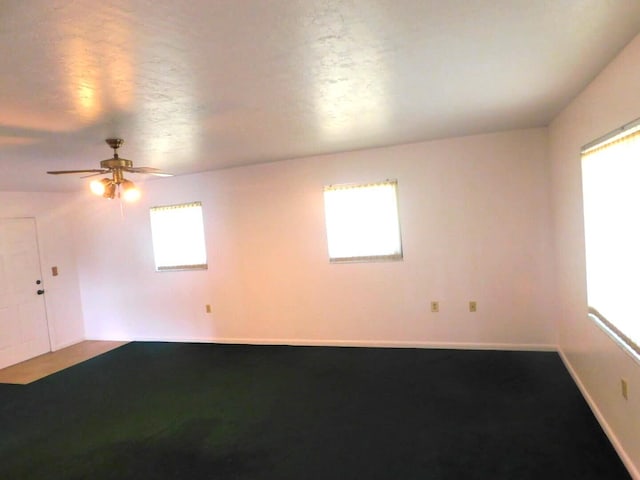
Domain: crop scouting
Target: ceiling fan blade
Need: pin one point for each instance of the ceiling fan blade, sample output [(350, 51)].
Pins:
[(142, 169), (95, 174), (148, 170), (62, 172), (160, 174)]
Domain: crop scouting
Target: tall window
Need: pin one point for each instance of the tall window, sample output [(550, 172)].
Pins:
[(362, 222), (611, 189), (178, 237)]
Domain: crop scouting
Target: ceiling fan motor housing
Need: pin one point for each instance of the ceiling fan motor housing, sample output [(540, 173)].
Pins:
[(116, 163)]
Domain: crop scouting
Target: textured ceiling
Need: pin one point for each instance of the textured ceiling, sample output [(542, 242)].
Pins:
[(207, 84)]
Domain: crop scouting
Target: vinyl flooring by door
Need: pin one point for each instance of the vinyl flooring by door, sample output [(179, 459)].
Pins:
[(44, 365)]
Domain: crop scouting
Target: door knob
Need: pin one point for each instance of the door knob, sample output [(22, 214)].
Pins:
[(40, 292)]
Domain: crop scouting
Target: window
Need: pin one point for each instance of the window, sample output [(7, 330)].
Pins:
[(362, 222), (178, 237), (610, 179)]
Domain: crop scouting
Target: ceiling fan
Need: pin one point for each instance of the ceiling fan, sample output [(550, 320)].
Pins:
[(117, 185)]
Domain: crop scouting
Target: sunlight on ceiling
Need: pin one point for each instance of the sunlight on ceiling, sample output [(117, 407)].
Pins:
[(202, 85), (350, 76)]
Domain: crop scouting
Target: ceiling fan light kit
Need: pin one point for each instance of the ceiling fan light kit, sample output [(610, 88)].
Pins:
[(101, 187), (129, 191), (117, 186)]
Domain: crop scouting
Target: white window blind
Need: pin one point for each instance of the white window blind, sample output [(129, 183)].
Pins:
[(611, 179), (362, 222), (178, 237)]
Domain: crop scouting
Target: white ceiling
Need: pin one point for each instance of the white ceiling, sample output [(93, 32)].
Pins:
[(207, 84)]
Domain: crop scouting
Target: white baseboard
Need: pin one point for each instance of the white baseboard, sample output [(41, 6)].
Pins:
[(628, 462), (55, 348), (346, 343), (385, 344)]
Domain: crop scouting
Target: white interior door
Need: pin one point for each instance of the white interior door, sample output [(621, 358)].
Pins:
[(23, 322)]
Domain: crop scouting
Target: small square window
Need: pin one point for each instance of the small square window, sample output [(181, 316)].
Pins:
[(177, 232), (362, 222)]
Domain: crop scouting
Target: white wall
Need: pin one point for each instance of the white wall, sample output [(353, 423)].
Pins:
[(54, 217), (598, 364), (476, 225)]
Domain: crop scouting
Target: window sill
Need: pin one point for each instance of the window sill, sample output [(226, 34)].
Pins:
[(181, 268), (375, 258), (629, 346)]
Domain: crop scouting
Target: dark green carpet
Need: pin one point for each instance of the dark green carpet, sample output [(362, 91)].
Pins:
[(200, 411)]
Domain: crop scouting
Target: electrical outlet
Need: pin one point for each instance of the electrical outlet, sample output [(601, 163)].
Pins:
[(207, 308), (473, 306), (435, 307), (624, 389)]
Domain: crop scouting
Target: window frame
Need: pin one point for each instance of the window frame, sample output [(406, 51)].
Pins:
[(629, 345), (180, 267), (397, 256)]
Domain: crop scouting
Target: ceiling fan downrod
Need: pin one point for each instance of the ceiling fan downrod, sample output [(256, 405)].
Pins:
[(116, 163), (115, 143)]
